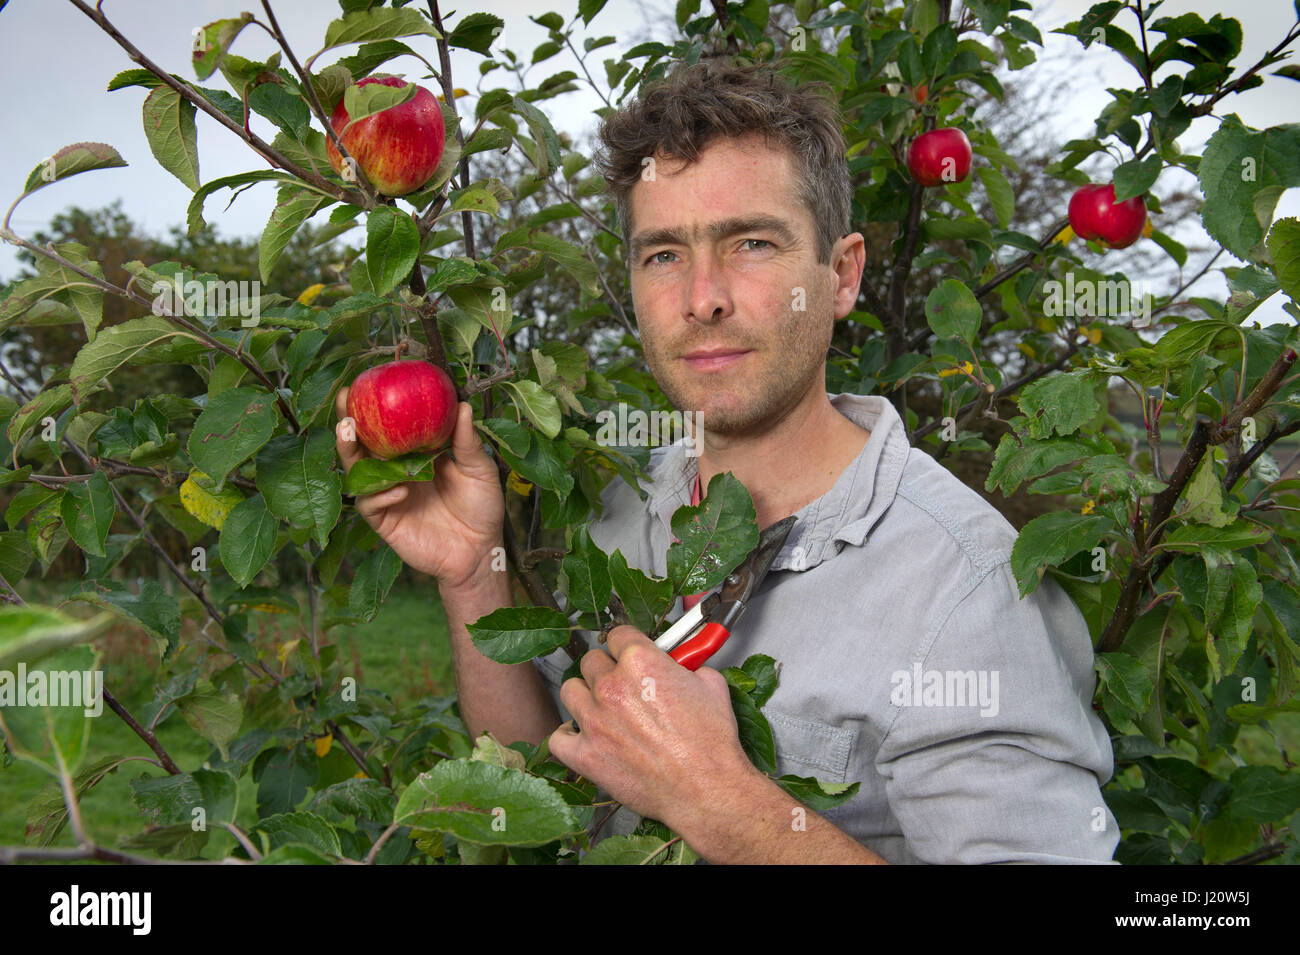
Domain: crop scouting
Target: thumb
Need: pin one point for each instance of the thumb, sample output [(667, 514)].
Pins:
[(467, 446)]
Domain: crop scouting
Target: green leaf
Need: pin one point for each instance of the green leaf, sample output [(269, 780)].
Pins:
[(817, 795), (1192, 537), (478, 303), (486, 805), (588, 9), (1137, 176), (114, 347), (475, 32), (1001, 196), (48, 403), (1126, 679), (1284, 250), (29, 633), (645, 598), (44, 731), (247, 539), (47, 813), (88, 510), (283, 777), (1262, 794), (284, 109), (517, 634), (213, 714), (1050, 539), (293, 207), (763, 670), (372, 475), (381, 23), (71, 160), (301, 829), (173, 139), (546, 154), (15, 556), (1204, 497), (540, 406), (135, 77), (365, 101), (212, 43), (392, 246), (153, 608), (171, 800), (373, 579), (1059, 404), (547, 464), (628, 850), (565, 254), (586, 567), (712, 537), (363, 62), (755, 732), (296, 474), (1242, 173), (231, 429), (952, 311)]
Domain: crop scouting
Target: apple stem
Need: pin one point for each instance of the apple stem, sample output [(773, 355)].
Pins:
[(401, 349)]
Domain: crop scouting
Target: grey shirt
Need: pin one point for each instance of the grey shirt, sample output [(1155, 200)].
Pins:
[(908, 661)]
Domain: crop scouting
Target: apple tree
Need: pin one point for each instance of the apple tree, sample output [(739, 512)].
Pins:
[(1184, 571)]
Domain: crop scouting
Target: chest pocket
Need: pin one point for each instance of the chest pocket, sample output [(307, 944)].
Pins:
[(808, 748)]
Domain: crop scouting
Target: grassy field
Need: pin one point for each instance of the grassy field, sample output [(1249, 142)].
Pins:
[(403, 651)]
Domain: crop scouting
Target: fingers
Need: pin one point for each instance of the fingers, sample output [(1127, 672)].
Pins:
[(346, 444), (594, 663), (370, 505), (623, 637)]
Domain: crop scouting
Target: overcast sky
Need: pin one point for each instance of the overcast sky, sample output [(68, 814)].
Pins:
[(56, 63)]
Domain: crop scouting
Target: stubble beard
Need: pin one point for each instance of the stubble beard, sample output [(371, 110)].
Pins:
[(753, 397)]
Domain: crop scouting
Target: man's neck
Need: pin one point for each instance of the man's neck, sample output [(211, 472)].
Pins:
[(792, 464)]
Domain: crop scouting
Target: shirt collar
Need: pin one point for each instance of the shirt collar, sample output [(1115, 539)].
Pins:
[(843, 515)]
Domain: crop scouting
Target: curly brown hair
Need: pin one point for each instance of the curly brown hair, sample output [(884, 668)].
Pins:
[(679, 116)]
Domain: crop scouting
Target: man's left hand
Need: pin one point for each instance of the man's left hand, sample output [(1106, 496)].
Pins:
[(654, 735)]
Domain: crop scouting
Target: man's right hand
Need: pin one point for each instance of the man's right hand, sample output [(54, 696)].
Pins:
[(446, 527)]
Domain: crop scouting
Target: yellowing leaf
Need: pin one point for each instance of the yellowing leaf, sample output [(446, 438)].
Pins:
[(198, 498), (1089, 507), (309, 294), (1091, 332), (359, 775), (269, 608), (1147, 229), (518, 484), (1045, 325), (323, 745), (1027, 349), (1064, 236), (285, 649)]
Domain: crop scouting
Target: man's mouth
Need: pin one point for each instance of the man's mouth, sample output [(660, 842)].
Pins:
[(714, 359)]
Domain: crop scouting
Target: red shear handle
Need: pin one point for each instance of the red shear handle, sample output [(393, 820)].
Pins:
[(700, 647)]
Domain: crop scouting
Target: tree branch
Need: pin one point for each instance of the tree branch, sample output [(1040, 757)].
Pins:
[(264, 149)]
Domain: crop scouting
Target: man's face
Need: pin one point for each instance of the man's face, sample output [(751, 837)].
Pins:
[(723, 258)]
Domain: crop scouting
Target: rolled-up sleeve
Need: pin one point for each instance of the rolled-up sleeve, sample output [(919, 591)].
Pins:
[(1012, 771)]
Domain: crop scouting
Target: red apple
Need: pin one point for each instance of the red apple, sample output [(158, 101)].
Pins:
[(939, 157), (398, 149), (402, 407), (1096, 216)]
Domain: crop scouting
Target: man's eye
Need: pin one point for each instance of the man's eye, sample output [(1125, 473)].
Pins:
[(763, 241), (654, 259)]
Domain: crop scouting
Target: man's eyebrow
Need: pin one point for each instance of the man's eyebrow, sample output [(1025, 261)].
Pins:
[(722, 229)]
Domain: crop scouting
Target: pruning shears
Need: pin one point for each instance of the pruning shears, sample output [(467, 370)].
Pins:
[(704, 628)]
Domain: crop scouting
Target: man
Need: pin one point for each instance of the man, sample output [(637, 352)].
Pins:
[(909, 663)]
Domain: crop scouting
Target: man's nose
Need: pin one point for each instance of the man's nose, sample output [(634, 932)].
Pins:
[(708, 298)]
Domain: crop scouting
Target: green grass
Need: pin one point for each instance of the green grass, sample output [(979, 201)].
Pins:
[(404, 651)]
